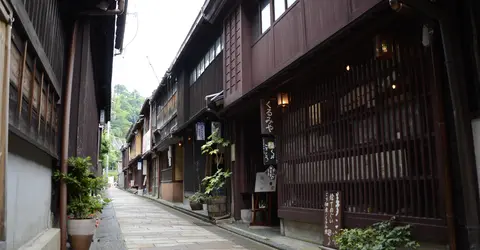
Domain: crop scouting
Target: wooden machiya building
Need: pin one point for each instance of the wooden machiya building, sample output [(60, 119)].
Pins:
[(374, 100), (199, 67), (134, 173), (56, 66), (167, 152)]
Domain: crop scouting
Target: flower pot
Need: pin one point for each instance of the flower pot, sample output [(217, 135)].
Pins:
[(196, 205), (217, 206), (81, 233), (246, 215)]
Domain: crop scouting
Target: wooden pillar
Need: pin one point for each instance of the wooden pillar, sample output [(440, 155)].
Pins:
[(5, 45)]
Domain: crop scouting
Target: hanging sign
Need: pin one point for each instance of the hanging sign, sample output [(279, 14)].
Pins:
[(333, 209), (139, 165), (200, 131), (269, 155), (266, 116)]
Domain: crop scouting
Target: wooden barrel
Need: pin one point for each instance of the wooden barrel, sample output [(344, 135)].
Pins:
[(217, 206)]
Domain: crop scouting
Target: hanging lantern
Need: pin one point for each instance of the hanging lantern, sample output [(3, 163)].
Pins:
[(282, 99), (383, 47)]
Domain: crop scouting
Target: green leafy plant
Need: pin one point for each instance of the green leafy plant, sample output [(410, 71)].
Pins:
[(381, 236), (81, 187), (214, 147), (198, 197)]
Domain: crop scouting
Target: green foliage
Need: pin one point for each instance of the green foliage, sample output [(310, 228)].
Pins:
[(81, 185), (106, 148), (214, 147), (381, 236), (198, 197), (125, 110)]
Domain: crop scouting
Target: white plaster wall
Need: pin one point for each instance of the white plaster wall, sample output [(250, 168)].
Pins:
[(476, 145), (28, 192)]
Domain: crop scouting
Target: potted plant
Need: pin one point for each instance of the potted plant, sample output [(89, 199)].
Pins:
[(197, 200), (216, 203), (84, 204)]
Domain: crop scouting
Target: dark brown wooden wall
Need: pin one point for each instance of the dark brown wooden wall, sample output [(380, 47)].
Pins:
[(210, 82), (306, 24), (45, 17), (84, 116)]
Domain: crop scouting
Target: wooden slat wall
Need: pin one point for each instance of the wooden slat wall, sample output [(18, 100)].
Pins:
[(35, 115), (368, 132), (45, 17)]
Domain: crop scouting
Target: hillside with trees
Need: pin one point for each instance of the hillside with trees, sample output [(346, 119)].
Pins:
[(126, 107)]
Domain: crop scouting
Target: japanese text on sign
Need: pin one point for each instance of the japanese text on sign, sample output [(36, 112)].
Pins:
[(332, 217), (266, 115)]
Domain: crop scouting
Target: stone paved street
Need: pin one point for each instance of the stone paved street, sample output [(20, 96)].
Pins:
[(146, 224)]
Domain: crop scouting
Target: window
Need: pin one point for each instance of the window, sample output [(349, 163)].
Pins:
[(212, 53), (279, 8), (290, 2), (199, 71), (218, 46), (207, 59), (265, 15)]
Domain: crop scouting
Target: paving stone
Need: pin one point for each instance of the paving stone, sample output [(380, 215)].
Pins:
[(148, 225)]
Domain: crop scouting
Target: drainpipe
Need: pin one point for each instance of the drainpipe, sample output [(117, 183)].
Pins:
[(65, 134), (120, 9)]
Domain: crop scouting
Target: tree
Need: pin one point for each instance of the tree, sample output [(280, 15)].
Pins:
[(125, 110), (107, 149)]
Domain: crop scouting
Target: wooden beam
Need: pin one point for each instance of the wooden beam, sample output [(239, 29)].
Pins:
[(51, 119), (46, 110), (40, 100), (20, 84), (27, 25), (32, 90)]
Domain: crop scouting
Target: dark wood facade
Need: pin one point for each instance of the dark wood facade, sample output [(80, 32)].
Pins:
[(252, 57)]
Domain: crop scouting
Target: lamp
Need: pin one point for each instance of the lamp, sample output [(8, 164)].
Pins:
[(282, 99), (383, 47)]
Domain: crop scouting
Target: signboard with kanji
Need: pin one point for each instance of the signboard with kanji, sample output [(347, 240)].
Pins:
[(267, 109), (333, 208), (269, 152)]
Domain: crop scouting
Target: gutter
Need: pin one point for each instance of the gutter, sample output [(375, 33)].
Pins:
[(118, 11)]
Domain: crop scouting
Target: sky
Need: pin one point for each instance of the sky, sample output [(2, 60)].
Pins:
[(157, 29)]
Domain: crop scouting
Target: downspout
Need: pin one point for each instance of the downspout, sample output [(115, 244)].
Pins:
[(65, 136), (120, 9)]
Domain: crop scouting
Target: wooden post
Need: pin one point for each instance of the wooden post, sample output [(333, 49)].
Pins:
[(4, 113), (32, 90), (20, 84), (47, 120), (40, 100)]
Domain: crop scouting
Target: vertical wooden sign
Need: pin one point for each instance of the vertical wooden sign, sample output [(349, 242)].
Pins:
[(332, 217), (269, 151), (267, 112)]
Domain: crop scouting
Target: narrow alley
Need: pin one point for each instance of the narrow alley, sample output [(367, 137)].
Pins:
[(149, 225)]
